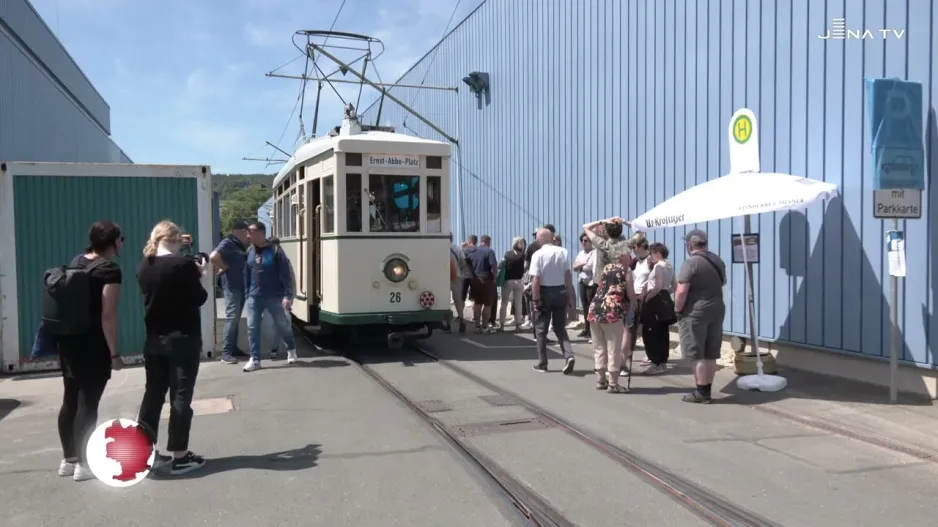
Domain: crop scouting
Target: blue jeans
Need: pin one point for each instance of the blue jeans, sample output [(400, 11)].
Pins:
[(234, 305), (256, 307)]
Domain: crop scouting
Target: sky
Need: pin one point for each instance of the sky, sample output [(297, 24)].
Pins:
[(186, 81)]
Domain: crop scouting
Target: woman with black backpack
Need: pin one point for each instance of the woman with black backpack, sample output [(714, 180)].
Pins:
[(87, 348)]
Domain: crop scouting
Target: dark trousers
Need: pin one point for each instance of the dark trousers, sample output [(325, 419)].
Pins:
[(465, 288), (79, 414), (633, 328), (172, 365), (529, 302), (587, 292), (657, 340), (552, 308)]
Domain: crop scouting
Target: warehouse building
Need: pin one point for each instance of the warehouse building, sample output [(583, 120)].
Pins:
[(608, 108), (49, 110)]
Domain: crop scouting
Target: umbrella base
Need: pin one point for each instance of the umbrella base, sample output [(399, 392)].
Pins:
[(745, 363), (761, 383)]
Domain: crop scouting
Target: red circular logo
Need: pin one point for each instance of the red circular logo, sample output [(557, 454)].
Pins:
[(427, 300)]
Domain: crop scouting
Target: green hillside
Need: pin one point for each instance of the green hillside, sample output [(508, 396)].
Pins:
[(240, 195)]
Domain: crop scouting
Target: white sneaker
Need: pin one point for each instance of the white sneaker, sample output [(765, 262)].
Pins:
[(526, 326), (82, 473), (291, 356), (252, 365), (66, 468)]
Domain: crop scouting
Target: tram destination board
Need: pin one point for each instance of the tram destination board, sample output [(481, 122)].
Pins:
[(905, 204)]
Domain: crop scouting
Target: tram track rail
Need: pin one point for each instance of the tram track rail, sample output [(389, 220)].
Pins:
[(531, 509), (706, 505)]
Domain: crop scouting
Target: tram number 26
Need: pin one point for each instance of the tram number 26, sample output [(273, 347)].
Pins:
[(395, 297)]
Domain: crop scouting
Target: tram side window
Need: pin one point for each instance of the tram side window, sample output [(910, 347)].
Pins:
[(300, 206), (434, 204), (394, 203), (328, 205), (353, 202), (293, 211), (279, 213), (284, 232)]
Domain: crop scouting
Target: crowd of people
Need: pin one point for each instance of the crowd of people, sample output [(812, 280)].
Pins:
[(626, 286)]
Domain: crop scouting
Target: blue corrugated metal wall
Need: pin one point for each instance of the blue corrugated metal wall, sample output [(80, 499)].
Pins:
[(49, 111), (602, 107)]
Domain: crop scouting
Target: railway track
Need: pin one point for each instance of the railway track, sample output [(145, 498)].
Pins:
[(711, 508)]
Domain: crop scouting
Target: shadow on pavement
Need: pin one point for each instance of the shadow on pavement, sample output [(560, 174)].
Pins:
[(288, 460), (7, 406), (510, 346)]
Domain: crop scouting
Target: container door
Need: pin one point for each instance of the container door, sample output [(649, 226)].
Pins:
[(51, 220)]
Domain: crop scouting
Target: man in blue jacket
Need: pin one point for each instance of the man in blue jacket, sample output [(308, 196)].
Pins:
[(228, 260), (268, 286)]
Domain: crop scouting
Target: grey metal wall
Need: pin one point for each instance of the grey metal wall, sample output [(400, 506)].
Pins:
[(49, 111), (602, 107)]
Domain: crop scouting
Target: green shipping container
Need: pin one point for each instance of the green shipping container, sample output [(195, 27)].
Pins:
[(51, 206)]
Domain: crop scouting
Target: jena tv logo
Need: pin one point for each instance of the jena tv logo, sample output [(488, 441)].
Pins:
[(120, 453)]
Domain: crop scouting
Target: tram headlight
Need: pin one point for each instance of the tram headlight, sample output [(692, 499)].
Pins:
[(396, 270)]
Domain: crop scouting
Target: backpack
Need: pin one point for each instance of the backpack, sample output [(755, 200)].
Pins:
[(66, 298)]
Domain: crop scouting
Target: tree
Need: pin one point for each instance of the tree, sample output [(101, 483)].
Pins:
[(242, 204)]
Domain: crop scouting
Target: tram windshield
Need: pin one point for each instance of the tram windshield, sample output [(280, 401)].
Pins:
[(394, 203)]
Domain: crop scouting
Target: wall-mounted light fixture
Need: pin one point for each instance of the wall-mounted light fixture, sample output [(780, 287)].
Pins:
[(478, 83)]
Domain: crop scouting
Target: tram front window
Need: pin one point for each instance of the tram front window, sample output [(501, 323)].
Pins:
[(394, 203)]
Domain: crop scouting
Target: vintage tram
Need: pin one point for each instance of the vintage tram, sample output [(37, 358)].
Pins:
[(363, 214)]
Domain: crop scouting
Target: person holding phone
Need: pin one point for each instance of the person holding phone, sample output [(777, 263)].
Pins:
[(173, 294)]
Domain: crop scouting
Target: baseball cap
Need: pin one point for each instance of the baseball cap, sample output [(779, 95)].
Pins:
[(696, 236), (240, 225)]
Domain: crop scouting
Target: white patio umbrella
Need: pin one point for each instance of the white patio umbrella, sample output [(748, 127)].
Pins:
[(734, 195)]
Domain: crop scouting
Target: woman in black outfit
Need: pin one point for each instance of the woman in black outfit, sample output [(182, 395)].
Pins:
[(172, 295), (514, 272), (87, 360)]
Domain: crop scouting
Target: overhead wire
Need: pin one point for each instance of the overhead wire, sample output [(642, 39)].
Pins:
[(491, 187), (285, 64), (316, 65), (436, 50), (299, 96)]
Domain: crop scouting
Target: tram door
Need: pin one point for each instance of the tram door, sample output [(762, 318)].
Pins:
[(314, 228)]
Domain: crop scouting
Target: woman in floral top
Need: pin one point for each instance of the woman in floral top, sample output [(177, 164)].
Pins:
[(607, 317)]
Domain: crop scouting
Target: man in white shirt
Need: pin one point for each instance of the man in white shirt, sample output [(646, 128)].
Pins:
[(583, 264), (641, 269), (552, 294)]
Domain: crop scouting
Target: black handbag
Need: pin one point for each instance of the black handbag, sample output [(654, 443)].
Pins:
[(659, 310)]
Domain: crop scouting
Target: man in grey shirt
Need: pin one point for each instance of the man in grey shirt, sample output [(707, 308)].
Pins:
[(699, 305)]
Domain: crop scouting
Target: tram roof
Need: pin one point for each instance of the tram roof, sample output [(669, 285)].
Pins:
[(364, 142)]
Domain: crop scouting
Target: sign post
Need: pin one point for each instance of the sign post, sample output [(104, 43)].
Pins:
[(744, 157), (894, 109)]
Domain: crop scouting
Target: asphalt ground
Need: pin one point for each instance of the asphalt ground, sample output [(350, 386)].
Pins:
[(322, 444), (316, 443), (789, 473)]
